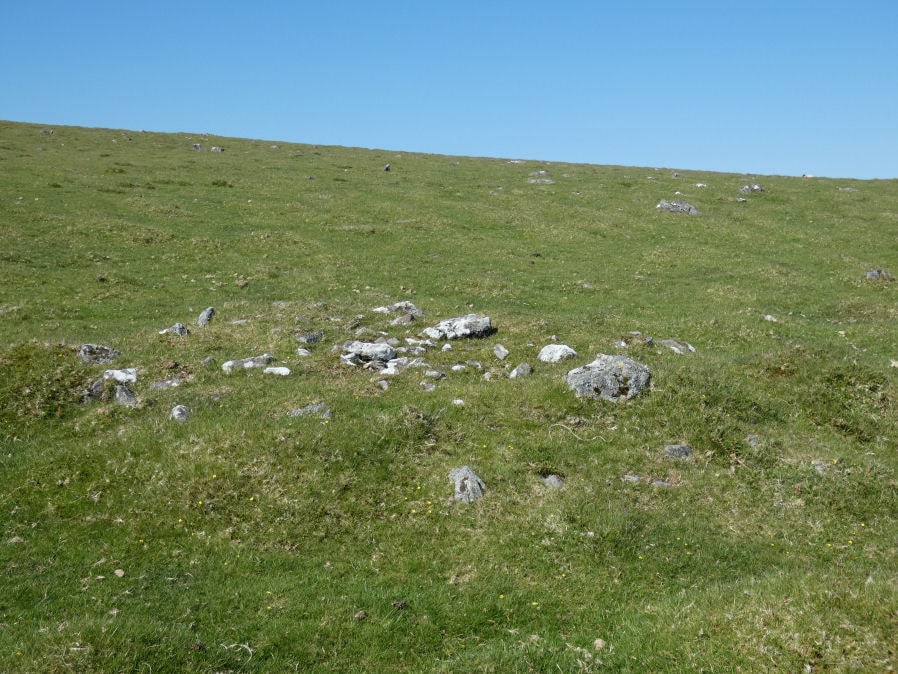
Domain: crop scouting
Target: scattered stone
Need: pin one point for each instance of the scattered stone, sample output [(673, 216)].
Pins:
[(679, 348), (468, 485), (315, 408), (634, 479), (458, 402), (397, 365), (471, 325), (361, 615), (97, 353), (278, 370), (751, 188), (404, 307), (752, 440), (555, 353), (209, 360), (125, 396), (205, 317), (179, 413), (879, 275), (847, 189), (500, 352), (357, 352), (459, 367), (404, 319), (553, 481), (177, 329), (678, 451), (678, 207), (94, 391), (247, 363), (771, 319), (383, 384), (310, 336), (304, 353), (428, 386), (522, 370), (217, 148), (434, 374), (820, 466), (609, 378), (125, 376)]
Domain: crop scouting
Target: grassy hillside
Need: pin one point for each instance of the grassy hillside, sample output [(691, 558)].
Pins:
[(246, 539)]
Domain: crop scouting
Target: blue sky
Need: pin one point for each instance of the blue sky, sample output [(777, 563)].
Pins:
[(786, 87)]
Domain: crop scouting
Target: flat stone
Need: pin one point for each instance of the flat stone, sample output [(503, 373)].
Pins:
[(678, 451), (677, 207), (555, 353), (247, 363), (278, 370), (319, 409), (553, 481), (367, 351)]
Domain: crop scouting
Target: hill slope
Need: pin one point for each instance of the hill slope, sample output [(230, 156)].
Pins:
[(247, 538)]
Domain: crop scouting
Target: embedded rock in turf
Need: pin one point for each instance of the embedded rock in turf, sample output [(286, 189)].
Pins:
[(97, 353), (468, 485), (609, 378), (205, 317)]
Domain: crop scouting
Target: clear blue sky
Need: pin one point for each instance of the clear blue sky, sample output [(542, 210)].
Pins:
[(785, 87)]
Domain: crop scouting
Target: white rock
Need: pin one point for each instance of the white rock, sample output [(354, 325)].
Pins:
[(279, 370), (555, 353), (500, 352), (180, 413), (127, 375)]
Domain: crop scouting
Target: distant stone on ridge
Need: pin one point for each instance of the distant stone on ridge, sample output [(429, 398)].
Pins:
[(205, 317), (677, 207), (468, 485), (748, 189), (472, 325), (609, 378), (97, 353)]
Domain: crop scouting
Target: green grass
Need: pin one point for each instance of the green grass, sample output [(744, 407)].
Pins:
[(248, 540)]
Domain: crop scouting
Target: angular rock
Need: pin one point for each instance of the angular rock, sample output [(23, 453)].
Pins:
[(522, 370), (879, 275), (678, 207), (179, 413), (468, 485), (471, 325), (177, 329), (404, 307), (125, 376), (678, 451), (125, 396), (609, 378), (500, 352), (97, 353), (205, 317), (304, 353), (679, 348), (247, 363), (555, 353), (368, 351), (397, 365)]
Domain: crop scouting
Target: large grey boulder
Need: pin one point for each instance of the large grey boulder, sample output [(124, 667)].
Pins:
[(468, 485), (471, 325), (609, 378)]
